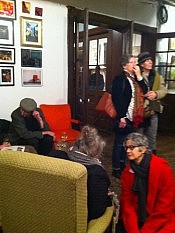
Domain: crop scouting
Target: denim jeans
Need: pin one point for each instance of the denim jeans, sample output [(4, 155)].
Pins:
[(119, 153), (151, 131)]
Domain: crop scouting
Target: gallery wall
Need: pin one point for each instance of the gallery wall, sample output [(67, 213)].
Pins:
[(53, 88)]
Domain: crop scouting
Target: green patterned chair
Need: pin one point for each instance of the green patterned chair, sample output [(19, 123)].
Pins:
[(39, 194)]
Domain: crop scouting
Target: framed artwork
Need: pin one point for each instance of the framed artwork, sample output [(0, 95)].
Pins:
[(26, 7), (6, 32), (31, 77), (31, 32), (8, 9), (6, 76), (38, 11), (31, 58), (7, 55)]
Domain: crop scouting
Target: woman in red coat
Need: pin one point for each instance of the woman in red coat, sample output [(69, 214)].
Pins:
[(147, 191)]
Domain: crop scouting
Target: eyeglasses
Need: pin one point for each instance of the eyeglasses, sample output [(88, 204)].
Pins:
[(131, 147)]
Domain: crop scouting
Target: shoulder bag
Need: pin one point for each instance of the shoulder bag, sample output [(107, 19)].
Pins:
[(106, 106)]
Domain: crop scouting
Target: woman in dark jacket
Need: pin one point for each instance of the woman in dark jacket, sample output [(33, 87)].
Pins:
[(87, 150), (128, 91)]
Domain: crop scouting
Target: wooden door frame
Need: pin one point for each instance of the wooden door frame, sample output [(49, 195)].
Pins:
[(124, 26), (74, 15)]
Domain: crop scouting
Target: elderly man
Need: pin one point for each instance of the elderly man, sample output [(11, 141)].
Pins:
[(28, 127)]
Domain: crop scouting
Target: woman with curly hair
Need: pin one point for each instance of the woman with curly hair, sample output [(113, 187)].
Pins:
[(87, 150)]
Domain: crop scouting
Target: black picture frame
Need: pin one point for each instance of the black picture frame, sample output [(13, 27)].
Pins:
[(6, 32), (31, 58), (7, 76), (7, 55), (8, 9)]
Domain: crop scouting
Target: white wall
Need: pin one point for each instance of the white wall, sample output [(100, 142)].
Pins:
[(169, 25), (140, 12), (54, 89)]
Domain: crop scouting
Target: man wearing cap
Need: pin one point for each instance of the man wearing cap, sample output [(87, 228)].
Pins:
[(156, 91), (28, 127)]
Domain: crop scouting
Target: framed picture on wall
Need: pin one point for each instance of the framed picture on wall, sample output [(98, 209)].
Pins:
[(31, 58), (26, 7), (6, 76), (6, 32), (8, 9), (31, 32), (7, 55), (31, 77)]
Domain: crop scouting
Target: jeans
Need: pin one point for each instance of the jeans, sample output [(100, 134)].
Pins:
[(119, 153), (151, 131)]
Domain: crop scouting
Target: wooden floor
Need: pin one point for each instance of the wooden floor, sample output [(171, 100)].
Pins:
[(165, 149)]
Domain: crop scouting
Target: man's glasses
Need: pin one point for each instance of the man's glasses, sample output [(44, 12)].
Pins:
[(131, 147)]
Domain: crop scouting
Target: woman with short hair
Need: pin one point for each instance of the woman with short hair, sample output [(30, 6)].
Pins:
[(147, 189)]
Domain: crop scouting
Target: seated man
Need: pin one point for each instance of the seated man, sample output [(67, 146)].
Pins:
[(28, 127)]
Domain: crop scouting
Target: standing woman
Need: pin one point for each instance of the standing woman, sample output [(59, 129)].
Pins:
[(156, 91), (147, 190), (128, 91)]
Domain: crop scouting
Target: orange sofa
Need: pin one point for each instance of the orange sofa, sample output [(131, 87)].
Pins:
[(58, 116)]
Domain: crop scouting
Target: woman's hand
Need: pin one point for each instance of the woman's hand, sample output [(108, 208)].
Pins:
[(151, 95), (137, 72), (122, 123)]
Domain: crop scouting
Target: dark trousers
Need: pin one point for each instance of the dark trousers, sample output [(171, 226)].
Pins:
[(119, 153), (42, 146)]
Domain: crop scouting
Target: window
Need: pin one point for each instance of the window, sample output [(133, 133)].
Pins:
[(165, 61)]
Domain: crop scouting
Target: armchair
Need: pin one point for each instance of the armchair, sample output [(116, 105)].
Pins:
[(58, 116), (44, 194)]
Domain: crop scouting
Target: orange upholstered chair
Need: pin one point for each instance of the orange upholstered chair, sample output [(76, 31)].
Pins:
[(58, 117)]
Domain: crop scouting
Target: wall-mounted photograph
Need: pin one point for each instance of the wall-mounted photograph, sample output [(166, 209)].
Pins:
[(6, 76), (6, 32), (31, 32), (26, 7), (31, 77), (38, 11), (7, 55), (31, 58), (8, 9)]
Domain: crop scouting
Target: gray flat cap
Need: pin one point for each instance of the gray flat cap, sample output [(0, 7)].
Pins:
[(28, 104)]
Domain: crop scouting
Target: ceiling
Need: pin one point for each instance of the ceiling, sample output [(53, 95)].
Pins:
[(167, 2)]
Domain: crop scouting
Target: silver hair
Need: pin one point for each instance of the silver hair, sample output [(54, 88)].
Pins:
[(125, 59), (90, 142), (138, 139)]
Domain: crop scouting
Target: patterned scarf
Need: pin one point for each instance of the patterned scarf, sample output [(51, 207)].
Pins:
[(138, 102)]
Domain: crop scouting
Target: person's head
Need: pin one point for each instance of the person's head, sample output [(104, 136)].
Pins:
[(27, 106), (145, 61), (136, 145), (90, 142), (97, 69), (128, 62)]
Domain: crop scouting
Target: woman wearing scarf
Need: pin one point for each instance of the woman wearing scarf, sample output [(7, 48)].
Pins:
[(128, 91), (87, 150), (147, 190)]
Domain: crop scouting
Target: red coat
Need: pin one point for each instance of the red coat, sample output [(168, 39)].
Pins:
[(160, 204)]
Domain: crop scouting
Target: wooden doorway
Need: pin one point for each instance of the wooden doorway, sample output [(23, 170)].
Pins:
[(94, 40)]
